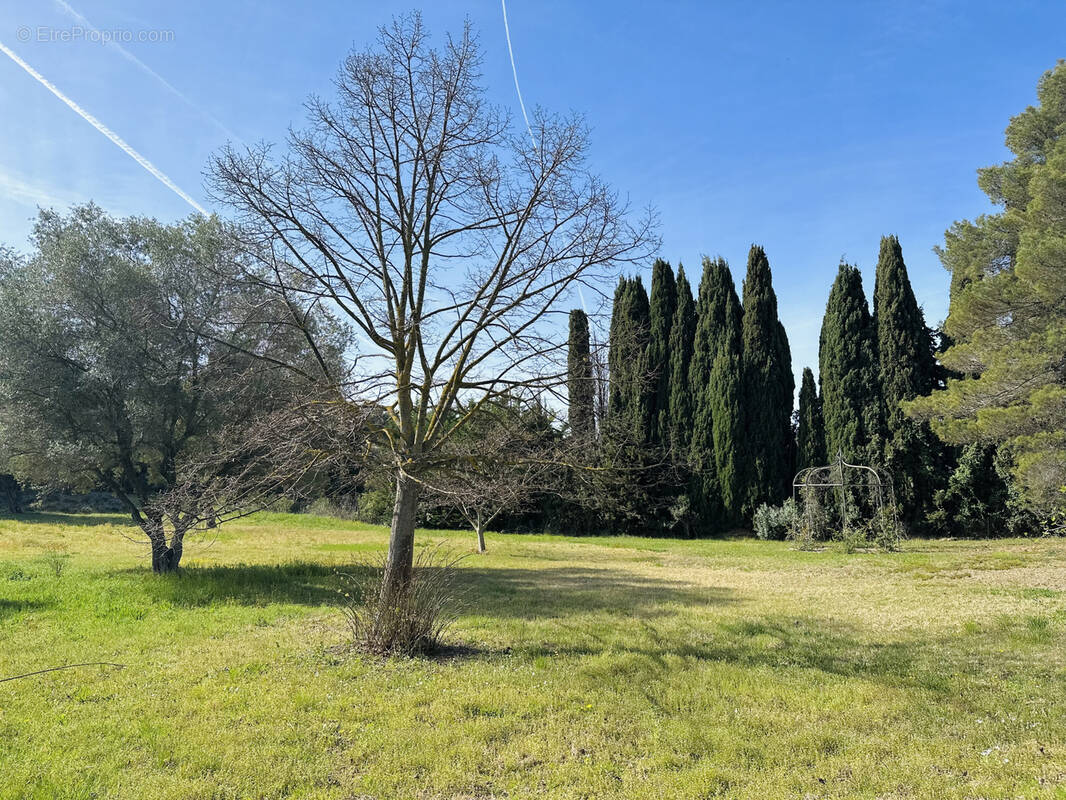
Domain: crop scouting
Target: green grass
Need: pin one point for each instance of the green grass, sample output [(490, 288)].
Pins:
[(607, 667)]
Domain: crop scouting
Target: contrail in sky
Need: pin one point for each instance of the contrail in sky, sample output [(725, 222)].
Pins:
[(132, 58), (514, 69), (106, 131)]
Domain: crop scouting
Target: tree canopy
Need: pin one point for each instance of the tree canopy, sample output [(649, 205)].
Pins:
[(661, 319), (715, 380)]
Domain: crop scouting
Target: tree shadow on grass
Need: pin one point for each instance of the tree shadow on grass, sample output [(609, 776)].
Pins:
[(646, 636), (647, 632), (9, 608), (787, 643), (552, 592)]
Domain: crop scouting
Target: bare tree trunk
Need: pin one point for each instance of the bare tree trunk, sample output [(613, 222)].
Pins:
[(401, 538), (479, 529)]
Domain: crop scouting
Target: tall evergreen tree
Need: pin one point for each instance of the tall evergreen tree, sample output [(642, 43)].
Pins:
[(715, 378), (627, 361), (1008, 266), (663, 306), (580, 383), (848, 372), (810, 446), (768, 389), (908, 369), (681, 405)]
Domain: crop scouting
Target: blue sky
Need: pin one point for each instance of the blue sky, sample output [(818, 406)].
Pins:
[(810, 128)]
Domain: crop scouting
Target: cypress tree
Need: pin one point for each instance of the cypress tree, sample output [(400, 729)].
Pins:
[(661, 319), (627, 361), (580, 385), (908, 369), (680, 404), (848, 372), (768, 388), (716, 382), (810, 448)]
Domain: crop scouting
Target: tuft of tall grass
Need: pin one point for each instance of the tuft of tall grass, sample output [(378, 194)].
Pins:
[(413, 620)]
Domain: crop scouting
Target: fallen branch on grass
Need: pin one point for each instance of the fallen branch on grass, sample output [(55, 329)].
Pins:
[(68, 666)]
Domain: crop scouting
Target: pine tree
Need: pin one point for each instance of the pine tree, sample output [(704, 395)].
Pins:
[(580, 384), (628, 404), (768, 388), (663, 306), (1008, 266), (682, 332), (848, 372), (810, 448), (908, 369), (715, 378)]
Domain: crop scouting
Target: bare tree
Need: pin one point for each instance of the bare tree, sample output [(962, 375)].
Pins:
[(509, 455), (286, 452), (452, 246)]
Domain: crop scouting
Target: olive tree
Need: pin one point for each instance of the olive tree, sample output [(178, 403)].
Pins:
[(126, 347), (452, 244)]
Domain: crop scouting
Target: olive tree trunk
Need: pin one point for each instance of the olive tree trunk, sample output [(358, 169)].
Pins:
[(166, 555)]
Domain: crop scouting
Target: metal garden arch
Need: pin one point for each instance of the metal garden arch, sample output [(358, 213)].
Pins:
[(854, 488)]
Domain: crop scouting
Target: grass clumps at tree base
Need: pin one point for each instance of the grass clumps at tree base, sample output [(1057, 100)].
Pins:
[(411, 620)]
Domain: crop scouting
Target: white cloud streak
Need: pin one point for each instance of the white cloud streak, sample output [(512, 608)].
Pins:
[(26, 193), (106, 131), (514, 70), (149, 71)]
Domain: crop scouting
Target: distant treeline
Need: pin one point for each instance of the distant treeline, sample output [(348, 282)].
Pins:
[(704, 386)]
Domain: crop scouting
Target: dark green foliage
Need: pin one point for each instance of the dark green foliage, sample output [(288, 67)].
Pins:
[(10, 494), (624, 490), (768, 388), (682, 333), (628, 402), (810, 437), (715, 378), (848, 372), (905, 344), (663, 306), (908, 369), (580, 384), (981, 498)]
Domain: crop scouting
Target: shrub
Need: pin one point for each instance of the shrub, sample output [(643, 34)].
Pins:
[(411, 622), (326, 507), (776, 522), (375, 505)]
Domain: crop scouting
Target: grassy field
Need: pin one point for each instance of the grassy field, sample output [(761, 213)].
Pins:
[(613, 667)]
